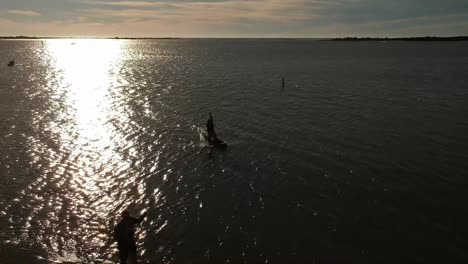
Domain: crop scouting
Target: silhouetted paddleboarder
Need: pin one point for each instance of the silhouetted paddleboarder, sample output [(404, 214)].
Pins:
[(212, 139), (124, 233), (210, 129)]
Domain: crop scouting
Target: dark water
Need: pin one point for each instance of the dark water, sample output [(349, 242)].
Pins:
[(361, 158)]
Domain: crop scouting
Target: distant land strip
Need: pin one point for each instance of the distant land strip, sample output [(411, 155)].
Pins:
[(28, 37), (428, 38), (456, 38)]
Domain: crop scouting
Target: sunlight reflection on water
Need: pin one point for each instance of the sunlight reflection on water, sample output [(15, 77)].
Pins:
[(83, 152)]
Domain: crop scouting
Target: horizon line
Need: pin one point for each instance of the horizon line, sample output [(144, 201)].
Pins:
[(286, 38)]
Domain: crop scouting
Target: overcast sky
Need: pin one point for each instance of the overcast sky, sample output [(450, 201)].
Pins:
[(234, 18)]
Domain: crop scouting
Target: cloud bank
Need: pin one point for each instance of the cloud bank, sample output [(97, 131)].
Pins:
[(234, 18), (23, 13)]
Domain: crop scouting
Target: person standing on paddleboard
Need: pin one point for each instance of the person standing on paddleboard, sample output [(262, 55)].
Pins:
[(210, 129), (124, 233)]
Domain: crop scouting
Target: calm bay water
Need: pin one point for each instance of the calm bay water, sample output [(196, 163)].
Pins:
[(361, 158)]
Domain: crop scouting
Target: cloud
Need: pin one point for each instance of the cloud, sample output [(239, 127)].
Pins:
[(268, 11), (363, 11), (23, 13), (127, 4)]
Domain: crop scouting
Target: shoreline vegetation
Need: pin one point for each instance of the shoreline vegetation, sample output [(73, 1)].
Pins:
[(427, 38), (456, 38)]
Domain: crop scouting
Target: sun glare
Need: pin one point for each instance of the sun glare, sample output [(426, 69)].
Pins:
[(86, 66), (85, 71)]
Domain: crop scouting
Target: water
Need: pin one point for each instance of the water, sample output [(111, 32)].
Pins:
[(361, 158)]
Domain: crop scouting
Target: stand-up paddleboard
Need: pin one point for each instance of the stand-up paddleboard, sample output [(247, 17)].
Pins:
[(217, 143), (103, 261)]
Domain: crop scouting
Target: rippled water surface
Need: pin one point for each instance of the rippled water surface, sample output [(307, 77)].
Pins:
[(360, 158)]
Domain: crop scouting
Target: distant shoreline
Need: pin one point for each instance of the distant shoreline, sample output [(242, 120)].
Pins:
[(456, 38), (27, 37), (429, 38)]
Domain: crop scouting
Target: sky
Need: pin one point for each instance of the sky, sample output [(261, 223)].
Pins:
[(234, 18)]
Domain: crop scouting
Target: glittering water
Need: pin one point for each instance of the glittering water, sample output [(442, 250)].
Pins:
[(361, 158)]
